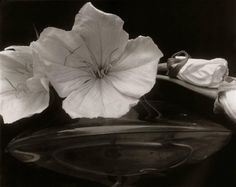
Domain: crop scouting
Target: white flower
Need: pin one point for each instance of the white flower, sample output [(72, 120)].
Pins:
[(205, 73), (226, 99), (22, 91), (98, 71)]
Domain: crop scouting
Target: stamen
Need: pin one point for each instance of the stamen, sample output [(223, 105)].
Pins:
[(93, 73), (103, 73), (99, 74)]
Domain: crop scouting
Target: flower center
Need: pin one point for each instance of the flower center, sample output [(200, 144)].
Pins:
[(101, 72)]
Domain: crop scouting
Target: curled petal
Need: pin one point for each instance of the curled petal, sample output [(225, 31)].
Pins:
[(19, 48), (21, 94), (26, 59), (102, 32), (135, 72), (98, 99)]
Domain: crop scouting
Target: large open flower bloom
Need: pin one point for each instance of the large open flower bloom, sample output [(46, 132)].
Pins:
[(95, 67), (23, 92)]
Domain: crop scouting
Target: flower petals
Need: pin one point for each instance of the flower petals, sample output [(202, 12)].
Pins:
[(95, 67), (99, 99), (14, 106), (21, 94), (228, 103), (135, 73), (66, 79), (57, 46), (15, 68), (102, 32), (226, 98)]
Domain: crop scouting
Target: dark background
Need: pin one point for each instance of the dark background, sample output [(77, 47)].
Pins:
[(204, 28)]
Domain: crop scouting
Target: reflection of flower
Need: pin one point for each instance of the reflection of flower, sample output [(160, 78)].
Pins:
[(22, 92), (95, 66)]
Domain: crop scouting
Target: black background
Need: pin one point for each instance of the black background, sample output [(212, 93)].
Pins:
[(204, 28)]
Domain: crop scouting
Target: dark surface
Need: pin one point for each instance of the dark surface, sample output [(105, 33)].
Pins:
[(204, 28), (217, 170), (106, 150)]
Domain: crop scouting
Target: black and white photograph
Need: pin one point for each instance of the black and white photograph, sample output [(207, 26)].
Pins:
[(117, 93)]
